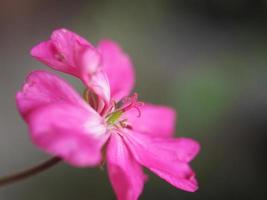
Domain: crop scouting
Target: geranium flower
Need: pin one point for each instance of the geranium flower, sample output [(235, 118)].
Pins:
[(106, 126)]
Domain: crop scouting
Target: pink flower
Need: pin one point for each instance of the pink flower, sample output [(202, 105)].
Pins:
[(106, 126)]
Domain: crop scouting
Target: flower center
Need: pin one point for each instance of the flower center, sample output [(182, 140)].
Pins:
[(114, 117), (114, 112), (128, 103)]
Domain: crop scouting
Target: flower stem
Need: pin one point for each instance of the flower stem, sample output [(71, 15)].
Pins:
[(24, 174)]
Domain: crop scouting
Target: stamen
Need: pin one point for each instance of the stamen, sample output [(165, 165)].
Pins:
[(132, 102), (86, 95), (91, 98), (123, 123), (112, 107)]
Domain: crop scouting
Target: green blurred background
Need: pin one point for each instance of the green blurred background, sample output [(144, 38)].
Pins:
[(207, 59)]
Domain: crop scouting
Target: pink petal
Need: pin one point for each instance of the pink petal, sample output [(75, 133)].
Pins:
[(60, 122), (125, 174), (46, 52), (155, 154), (100, 85), (154, 120), (70, 132), (186, 148), (70, 53), (42, 88), (118, 67)]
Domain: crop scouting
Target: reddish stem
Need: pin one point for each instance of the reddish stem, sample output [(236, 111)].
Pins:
[(27, 173)]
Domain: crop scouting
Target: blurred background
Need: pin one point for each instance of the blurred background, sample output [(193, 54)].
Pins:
[(207, 59)]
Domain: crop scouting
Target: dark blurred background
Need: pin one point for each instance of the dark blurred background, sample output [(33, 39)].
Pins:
[(205, 58)]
